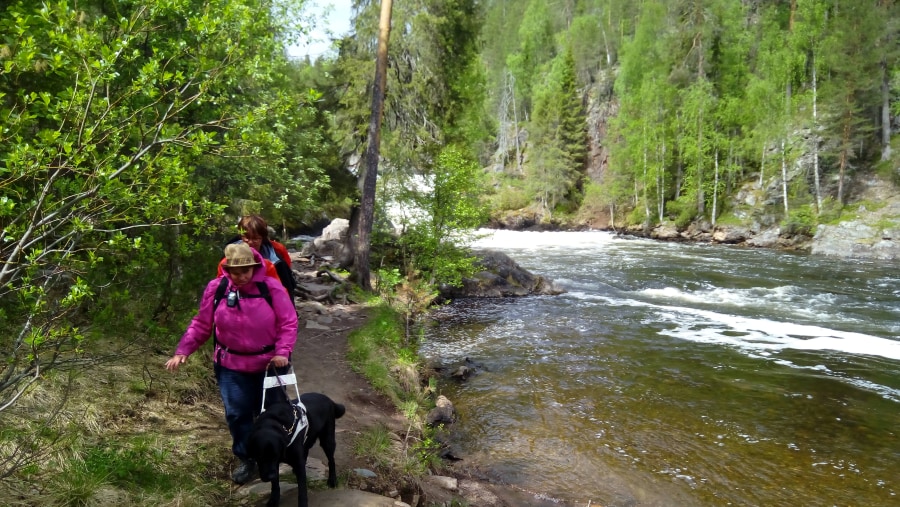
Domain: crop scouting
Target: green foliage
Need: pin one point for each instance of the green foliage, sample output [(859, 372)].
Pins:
[(888, 169), (856, 81), (423, 455), (433, 246), (536, 48), (128, 128), (636, 216), (92, 152), (435, 90), (557, 159), (830, 212), (586, 35), (800, 221), (510, 196), (683, 209), (386, 283), (697, 79), (596, 200)]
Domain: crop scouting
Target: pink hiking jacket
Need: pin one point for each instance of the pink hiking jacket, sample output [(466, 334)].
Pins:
[(248, 327)]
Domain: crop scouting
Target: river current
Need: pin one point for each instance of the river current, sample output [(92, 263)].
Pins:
[(674, 374)]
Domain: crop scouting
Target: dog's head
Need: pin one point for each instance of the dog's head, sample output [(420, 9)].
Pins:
[(269, 439)]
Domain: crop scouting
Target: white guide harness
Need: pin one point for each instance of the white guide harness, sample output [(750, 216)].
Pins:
[(300, 422)]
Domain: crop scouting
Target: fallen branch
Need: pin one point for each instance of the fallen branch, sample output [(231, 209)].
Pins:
[(334, 276)]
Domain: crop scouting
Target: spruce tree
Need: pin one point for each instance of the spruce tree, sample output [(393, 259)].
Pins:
[(559, 146)]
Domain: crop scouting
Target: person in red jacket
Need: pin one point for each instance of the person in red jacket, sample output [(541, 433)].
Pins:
[(253, 327), (255, 233)]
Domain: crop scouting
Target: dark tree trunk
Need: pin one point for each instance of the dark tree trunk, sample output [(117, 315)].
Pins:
[(367, 204)]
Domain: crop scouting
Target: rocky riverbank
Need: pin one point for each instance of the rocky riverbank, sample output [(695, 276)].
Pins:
[(868, 227)]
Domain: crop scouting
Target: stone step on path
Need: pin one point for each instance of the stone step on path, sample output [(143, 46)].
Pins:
[(316, 470)]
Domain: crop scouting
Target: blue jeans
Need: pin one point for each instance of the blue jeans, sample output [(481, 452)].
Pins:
[(242, 396)]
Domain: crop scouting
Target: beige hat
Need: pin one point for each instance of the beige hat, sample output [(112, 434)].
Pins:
[(238, 255)]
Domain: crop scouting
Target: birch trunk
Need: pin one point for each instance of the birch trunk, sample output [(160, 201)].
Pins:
[(715, 186), (885, 112), (660, 184), (815, 138), (646, 197), (784, 182), (762, 163)]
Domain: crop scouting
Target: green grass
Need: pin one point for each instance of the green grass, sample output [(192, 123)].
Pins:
[(374, 446), (76, 486), (728, 218), (136, 465), (868, 205), (379, 350), (887, 223), (109, 436)]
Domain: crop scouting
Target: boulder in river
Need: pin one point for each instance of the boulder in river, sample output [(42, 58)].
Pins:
[(501, 276)]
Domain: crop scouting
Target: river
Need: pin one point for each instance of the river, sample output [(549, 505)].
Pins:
[(674, 374)]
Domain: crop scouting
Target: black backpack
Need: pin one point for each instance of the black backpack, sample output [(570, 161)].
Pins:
[(285, 273)]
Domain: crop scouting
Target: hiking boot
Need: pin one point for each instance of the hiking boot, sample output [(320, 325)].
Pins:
[(245, 471)]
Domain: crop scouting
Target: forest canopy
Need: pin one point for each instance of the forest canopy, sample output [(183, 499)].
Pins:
[(688, 100)]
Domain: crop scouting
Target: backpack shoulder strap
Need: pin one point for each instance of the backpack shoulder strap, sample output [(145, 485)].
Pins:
[(264, 292), (220, 293), (223, 285)]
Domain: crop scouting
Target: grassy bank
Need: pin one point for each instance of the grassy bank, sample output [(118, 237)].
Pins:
[(384, 353), (121, 433)]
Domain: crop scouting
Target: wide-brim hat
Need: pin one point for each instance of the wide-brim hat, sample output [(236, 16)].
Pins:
[(239, 255)]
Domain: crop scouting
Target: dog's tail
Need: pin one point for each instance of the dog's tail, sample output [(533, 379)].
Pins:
[(339, 410)]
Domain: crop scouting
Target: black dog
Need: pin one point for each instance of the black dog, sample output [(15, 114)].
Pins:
[(273, 430)]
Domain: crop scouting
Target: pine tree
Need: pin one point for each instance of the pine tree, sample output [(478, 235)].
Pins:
[(853, 83)]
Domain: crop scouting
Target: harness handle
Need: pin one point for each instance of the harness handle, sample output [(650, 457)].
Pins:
[(282, 381)]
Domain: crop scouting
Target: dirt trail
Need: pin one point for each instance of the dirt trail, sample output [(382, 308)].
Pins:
[(320, 364)]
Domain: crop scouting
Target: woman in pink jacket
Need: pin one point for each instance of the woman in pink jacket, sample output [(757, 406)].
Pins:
[(250, 330)]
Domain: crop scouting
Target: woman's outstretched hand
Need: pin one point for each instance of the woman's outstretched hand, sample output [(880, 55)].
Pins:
[(175, 362), (280, 361)]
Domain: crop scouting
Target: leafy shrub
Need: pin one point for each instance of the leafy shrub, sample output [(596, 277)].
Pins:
[(683, 210), (638, 215), (830, 212), (510, 198), (800, 221)]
